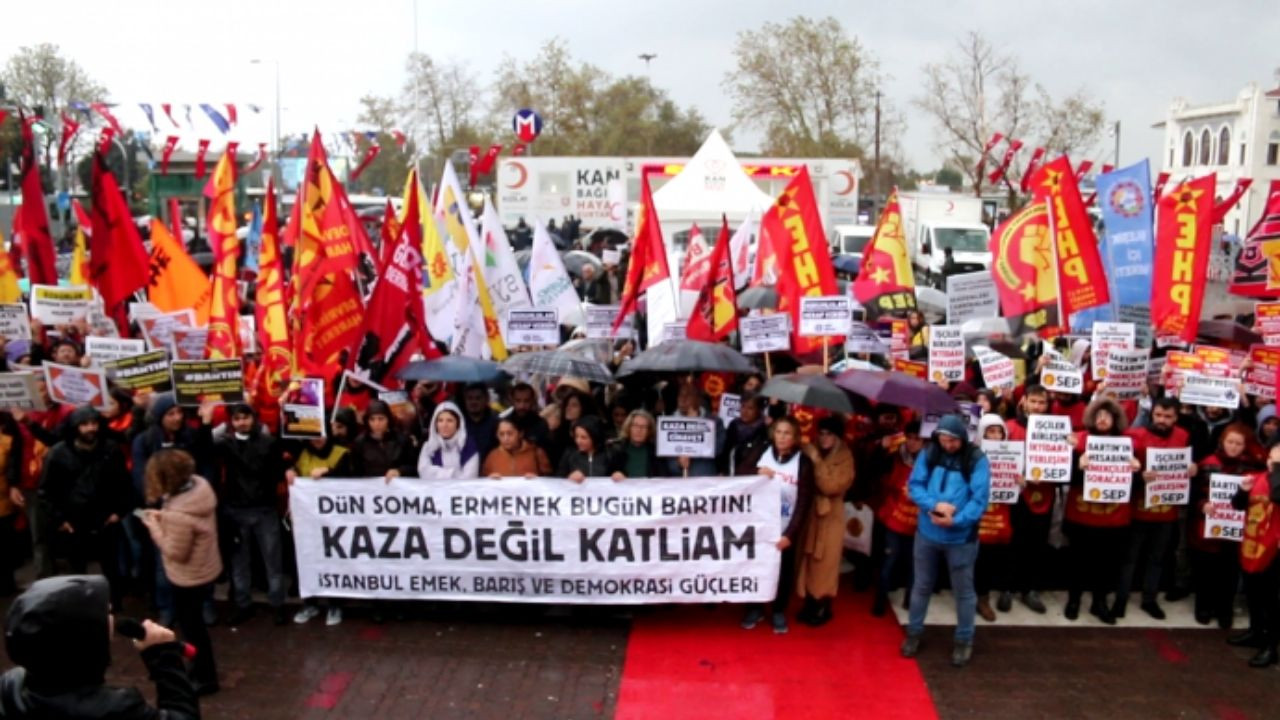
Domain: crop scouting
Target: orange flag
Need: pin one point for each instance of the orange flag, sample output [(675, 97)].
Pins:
[(648, 255), (176, 282), (224, 302), (886, 283), (715, 314), (1183, 245), (9, 291), (804, 265), (269, 305), (1082, 281)]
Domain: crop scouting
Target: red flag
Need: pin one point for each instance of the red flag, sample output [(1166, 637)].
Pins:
[(473, 164), (232, 115), (262, 156), (175, 219), (369, 155), (168, 112), (331, 325), (715, 313), (1161, 179), (400, 138), (1221, 209), (1183, 243), (170, 144), (394, 322), (648, 255), (104, 140), (486, 162), (269, 302), (105, 111), (1036, 157), (388, 234), (804, 265), (69, 128), (1023, 269), (1082, 280), (1085, 167), (886, 283), (202, 148), (697, 261), (4, 114), (519, 149), (1014, 147), (986, 150), (118, 262), (224, 300), (37, 241)]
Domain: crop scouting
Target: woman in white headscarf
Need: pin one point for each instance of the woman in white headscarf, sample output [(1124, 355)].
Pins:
[(448, 452)]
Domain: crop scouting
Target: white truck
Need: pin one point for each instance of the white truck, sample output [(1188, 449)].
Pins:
[(935, 223)]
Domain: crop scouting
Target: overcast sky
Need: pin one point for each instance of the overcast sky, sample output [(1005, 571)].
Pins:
[(1134, 56)]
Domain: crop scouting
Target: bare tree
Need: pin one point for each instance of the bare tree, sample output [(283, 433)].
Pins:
[(40, 79), (440, 100)]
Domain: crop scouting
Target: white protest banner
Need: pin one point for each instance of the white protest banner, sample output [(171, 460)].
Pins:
[(188, 342), (1127, 371), (674, 332), (157, 330), (824, 316), (1108, 336), (14, 323), (946, 353), (20, 391), (302, 409), (765, 333), (971, 296), (53, 305), (1172, 484), (1206, 391), (102, 349), (1064, 377), (863, 340), (533, 326), (997, 370), (1108, 477), (600, 319), (610, 257), (730, 408), (1048, 452), (540, 540), (71, 385), (1221, 521), (1260, 378), (1006, 459), (688, 436)]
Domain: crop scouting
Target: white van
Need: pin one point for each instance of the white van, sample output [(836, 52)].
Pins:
[(850, 239)]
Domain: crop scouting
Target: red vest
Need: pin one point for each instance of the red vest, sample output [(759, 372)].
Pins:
[(1143, 439), (996, 525), (897, 512), (1091, 514), (1261, 531)]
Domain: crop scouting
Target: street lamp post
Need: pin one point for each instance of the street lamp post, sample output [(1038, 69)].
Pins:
[(275, 130)]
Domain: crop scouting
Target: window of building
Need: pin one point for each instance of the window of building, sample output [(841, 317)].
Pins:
[(1205, 141), (1273, 153), (1224, 146), (1186, 149)]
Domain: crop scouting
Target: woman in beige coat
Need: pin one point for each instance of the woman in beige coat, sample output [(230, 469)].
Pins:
[(818, 574), (185, 530)]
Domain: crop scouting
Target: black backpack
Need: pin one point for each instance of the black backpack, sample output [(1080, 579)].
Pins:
[(972, 454)]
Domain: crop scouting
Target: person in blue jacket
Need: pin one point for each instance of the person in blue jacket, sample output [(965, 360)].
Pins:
[(950, 484)]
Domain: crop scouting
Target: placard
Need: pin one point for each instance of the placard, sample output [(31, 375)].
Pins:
[(765, 333), (1206, 391), (101, 349), (600, 319), (533, 326), (148, 372), (912, 368), (398, 400), (862, 340), (157, 330), (1218, 362), (1063, 377), (997, 370), (1127, 372), (971, 296), (14, 323), (1266, 320), (687, 436), (1108, 478), (946, 353), (674, 332), (71, 385), (140, 310), (1108, 336), (539, 540), (53, 305), (99, 322), (1172, 485), (1048, 452), (21, 391), (1006, 460), (1221, 521), (302, 409), (189, 343), (1260, 378), (730, 408), (1177, 364), (825, 316), (219, 381), (610, 257)]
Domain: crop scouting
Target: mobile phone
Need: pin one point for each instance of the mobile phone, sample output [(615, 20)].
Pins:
[(139, 513)]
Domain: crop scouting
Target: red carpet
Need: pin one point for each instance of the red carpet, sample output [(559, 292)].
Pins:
[(691, 662)]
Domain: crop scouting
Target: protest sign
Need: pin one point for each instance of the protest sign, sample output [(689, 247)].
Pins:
[(1127, 371), (1177, 364), (688, 436), (148, 372), (220, 381), (1108, 477), (824, 316), (946, 353), (765, 333), (911, 367), (157, 330), (1108, 336), (1048, 452), (398, 400), (674, 332), (1206, 391), (189, 343), (99, 322), (102, 349), (1266, 319), (1221, 522), (1064, 377), (1078, 348), (610, 257), (140, 310), (600, 320), (533, 326), (1216, 361), (538, 540), (21, 391), (53, 305), (997, 370), (1172, 484), (899, 334), (14, 323), (71, 385), (1260, 378), (971, 296), (302, 409), (730, 408), (1006, 460), (861, 339)]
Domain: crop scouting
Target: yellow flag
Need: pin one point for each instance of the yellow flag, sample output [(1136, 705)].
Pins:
[(461, 230), (80, 260), (9, 292)]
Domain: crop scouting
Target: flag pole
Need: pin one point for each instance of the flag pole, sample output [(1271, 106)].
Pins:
[(768, 365), (825, 343)]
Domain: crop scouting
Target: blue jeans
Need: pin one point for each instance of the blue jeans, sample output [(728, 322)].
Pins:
[(897, 551), (262, 524), (960, 560)]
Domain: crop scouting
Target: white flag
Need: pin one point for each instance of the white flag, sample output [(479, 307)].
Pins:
[(549, 283), (469, 338), (740, 251), (501, 271)]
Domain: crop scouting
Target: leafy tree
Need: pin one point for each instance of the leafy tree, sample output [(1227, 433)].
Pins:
[(950, 177), (387, 171)]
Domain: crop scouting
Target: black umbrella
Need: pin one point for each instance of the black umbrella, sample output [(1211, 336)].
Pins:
[(760, 297), (558, 363), (576, 260), (811, 390), (452, 368), (688, 356)]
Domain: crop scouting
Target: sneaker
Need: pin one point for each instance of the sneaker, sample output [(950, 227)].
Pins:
[(333, 617), (910, 646), (779, 623), (303, 616), (961, 654), (1005, 603), (1032, 600), (752, 618), (1151, 608)]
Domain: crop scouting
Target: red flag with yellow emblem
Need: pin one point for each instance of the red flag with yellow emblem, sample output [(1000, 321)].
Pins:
[(648, 255), (1082, 280), (224, 300), (886, 284), (1183, 244), (715, 314), (804, 265), (269, 303), (1023, 270)]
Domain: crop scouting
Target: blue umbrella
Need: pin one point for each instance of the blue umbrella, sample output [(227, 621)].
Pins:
[(452, 368)]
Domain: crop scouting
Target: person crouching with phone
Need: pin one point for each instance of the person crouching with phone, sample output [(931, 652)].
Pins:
[(950, 484), (185, 530)]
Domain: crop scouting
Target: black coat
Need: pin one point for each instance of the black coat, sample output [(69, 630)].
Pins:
[(84, 486), (373, 458), (250, 470)]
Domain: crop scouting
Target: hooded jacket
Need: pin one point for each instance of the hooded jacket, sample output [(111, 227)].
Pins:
[(374, 457), (153, 438), (988, 421), (598, 463), (443, 459), (56, 632), (939, 477), (84, 486), (187, 535), (251, 467)]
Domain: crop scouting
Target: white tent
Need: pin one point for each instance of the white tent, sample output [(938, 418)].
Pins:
[(712, 184)]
